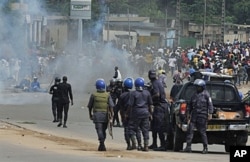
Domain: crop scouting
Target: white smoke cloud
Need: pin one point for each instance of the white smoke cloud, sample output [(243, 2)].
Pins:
[(82, 68)]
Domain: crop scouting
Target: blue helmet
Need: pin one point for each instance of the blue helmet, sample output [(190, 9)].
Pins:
[(128, 83), (100, 84), (139, 82), (200, 82)]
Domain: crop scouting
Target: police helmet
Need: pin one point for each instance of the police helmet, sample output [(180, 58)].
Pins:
[(200, 82), (152, 74), (100, 84), (128, 83), (139, 82)]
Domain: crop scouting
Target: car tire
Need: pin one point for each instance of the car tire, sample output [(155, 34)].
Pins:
[(227, 147), (241, 140), (178, 139), (170, 141)]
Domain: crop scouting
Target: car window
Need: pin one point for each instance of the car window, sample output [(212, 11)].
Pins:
[(188, 92), (218, 93), (222, 93)]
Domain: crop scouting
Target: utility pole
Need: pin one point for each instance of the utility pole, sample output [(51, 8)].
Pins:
[(204, 23), (166, 27), (178, 31), (223, 21), (128, 31), (80, 34), (108, 26)]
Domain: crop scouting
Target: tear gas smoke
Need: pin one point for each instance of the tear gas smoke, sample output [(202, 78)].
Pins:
[(82, 68)]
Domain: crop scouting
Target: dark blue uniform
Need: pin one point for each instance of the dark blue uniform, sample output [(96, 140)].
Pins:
[(117, 92), (160, 122), (111, 90), (123, 106), (199, 108), (140, 103)]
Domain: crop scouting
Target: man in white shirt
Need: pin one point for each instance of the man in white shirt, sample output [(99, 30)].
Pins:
[(171, 64), (159, 62), (117, 75)]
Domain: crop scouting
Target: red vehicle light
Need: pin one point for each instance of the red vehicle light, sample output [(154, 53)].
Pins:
[(183, 108), (247, 109)]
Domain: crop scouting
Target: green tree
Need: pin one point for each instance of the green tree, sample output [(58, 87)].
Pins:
[(241, 11), (193, 10)]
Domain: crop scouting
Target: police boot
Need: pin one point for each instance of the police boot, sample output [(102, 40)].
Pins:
[(60, 123), (145, 148), (101, 147), (154, 144), (188, 148), (204, 151), (64, 124), (128, 145), (161, 148), (133, 139), (139, 148)]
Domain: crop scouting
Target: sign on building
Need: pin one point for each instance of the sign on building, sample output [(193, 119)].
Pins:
[(80, 9)]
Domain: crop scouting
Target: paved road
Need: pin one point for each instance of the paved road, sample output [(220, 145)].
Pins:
[(33, 111)]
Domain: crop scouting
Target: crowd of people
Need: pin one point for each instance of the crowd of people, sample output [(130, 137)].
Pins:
[(225, 58), (145, 108)]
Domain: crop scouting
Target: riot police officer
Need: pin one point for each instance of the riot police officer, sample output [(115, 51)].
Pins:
[(98, 104), (160, 123), (140, 111), (199, 111), (112, 89), (122, 105), (118, 91), (55, 98)]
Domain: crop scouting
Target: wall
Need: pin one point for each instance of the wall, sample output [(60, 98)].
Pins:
[(58, 30), (112, 36)]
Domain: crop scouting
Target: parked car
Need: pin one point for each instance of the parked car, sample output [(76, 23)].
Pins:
[(230, 120)]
